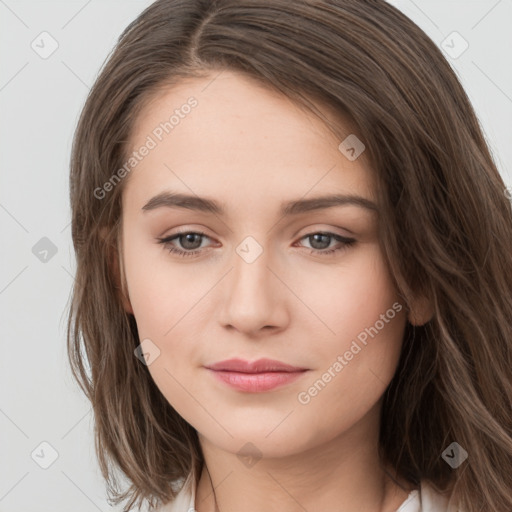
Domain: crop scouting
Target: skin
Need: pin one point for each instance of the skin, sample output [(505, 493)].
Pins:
[(251, 148)]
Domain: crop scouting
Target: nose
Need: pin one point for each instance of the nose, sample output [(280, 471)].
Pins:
[(254, 299)]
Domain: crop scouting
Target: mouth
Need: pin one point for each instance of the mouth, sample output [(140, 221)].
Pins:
[(259, 366), (257, 382), (258, 376)]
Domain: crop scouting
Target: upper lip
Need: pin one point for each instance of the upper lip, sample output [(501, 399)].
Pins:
[(259, 366)]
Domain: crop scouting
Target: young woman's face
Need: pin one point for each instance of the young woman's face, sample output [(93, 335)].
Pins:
[(268, 279)]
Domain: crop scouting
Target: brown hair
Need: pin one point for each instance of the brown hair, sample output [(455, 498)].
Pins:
[(445, 231)]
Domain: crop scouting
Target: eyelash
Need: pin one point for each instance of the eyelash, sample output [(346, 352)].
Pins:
[(166, 242)]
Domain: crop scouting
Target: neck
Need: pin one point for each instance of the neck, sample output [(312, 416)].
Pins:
[(342, 474)]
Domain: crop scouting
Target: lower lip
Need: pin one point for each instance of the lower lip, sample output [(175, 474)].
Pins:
[(257, 382)]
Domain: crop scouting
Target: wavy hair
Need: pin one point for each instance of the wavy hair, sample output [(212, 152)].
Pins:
[(445, 232)]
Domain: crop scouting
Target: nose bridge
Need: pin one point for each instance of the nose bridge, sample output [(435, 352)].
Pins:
[(253, 292), (251, 276)]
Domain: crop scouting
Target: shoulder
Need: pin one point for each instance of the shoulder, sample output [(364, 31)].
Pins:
[(184, 501), (427, 499)]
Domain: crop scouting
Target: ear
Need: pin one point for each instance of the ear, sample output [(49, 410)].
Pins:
[(114, 267), (421, 311)]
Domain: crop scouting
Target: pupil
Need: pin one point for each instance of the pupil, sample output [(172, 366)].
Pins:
[(316, 238), (189, 238)]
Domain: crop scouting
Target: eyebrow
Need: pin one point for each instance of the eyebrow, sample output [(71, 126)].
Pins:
[(288, 208)]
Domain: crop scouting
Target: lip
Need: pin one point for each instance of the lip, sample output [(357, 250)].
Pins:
[(258, 376), (259, 366)]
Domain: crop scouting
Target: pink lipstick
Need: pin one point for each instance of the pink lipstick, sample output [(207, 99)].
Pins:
[(258, 376)]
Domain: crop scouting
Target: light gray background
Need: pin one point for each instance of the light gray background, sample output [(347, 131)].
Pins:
[(40, 100)]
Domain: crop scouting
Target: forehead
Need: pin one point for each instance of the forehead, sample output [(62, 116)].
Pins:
[(239, 137)]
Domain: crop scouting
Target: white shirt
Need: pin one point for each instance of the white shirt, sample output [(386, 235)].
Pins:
[(431, 501)]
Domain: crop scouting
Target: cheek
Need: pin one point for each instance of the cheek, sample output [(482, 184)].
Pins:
[(364, 323), (159, 291), (351, 297)]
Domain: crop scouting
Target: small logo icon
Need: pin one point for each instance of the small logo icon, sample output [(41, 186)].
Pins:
[(147, 352), (44, 45), (249, 249), (454, 455), (44, 455), (44, 250), (454, 45), (351, 147), (249, 455)]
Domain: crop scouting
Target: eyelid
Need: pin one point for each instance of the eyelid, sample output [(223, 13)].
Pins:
[(316, 228), (307, 231)]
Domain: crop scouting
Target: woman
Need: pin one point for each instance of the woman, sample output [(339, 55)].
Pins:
[(293, 265)]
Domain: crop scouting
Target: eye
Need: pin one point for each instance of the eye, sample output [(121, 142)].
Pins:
[(188, 239), (191, 242), (323, 240)]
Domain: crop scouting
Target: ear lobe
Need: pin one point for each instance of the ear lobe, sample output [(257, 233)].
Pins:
[(113, 265), (421, 312)]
